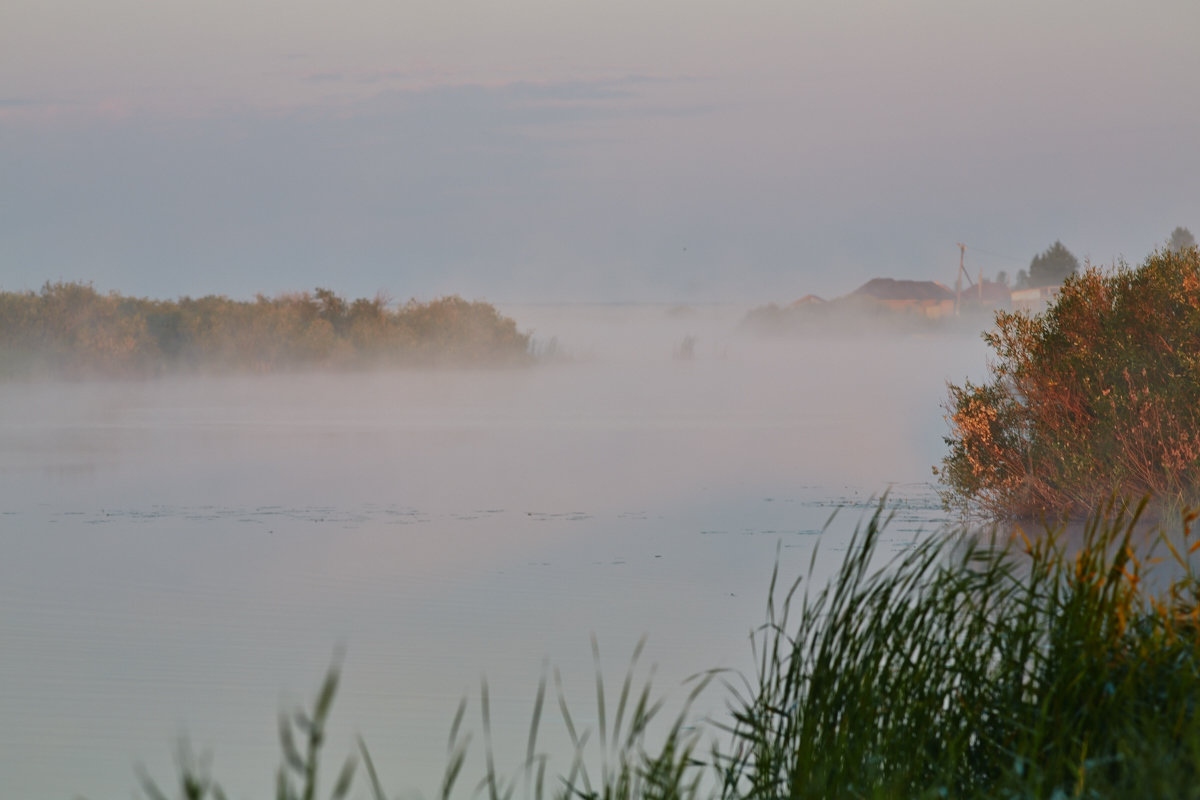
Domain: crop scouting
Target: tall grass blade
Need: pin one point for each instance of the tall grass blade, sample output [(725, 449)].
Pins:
[(372, 774), (490, 778), (535, 721)]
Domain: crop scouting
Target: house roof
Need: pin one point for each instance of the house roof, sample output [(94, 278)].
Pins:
[(892, 289), (808, 299)]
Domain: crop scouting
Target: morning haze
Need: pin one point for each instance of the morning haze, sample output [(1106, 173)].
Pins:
[(213, 473), (181, 549)]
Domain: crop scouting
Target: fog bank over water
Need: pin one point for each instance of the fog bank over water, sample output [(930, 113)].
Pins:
[(180, 551), (861, 410)]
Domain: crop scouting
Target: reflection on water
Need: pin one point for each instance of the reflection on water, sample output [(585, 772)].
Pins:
[(177, 553)]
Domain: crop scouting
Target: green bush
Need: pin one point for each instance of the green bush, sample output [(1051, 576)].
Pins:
[(1099, 394)]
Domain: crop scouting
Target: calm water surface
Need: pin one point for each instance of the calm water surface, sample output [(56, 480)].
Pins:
[(185, 555)]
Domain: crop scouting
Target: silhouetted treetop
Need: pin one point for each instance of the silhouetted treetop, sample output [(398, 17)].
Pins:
[(1053, 266), (1182, 239)]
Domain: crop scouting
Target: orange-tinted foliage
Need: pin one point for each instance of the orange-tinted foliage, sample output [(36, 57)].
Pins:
[(1098, 394)]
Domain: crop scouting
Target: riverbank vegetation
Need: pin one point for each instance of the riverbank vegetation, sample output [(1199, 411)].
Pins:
[(1098, 395), (1050, 665), (71, 330)]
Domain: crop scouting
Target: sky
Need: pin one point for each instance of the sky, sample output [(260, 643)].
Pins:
[(586, 150)]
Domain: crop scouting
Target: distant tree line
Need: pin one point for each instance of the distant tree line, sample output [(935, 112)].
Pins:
[(72, 330)]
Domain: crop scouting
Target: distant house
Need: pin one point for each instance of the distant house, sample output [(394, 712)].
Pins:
[(986, 295), (930, 298), (807, 300), (1034, 300)]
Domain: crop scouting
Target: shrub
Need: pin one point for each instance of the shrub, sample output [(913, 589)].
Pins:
[(1099, 394)]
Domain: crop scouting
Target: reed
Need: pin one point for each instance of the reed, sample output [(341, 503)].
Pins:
[(979, 667), (1061, 664)]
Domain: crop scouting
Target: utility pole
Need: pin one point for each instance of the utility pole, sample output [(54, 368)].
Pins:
[(962, 258)]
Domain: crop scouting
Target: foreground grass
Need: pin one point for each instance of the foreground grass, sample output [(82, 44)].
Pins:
[(1026, 666)]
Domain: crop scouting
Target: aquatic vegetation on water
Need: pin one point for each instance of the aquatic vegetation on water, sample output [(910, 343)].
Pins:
[(1034, 664)]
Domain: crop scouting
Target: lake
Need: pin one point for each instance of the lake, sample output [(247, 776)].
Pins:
[(185, 555)]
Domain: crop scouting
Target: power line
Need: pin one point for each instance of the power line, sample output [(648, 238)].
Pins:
[(975, 249)]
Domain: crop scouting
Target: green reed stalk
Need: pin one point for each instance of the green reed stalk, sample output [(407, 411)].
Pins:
[(969, 666)]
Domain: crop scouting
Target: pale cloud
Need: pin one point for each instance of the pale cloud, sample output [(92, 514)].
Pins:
[(530, 148), (402, 189)]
